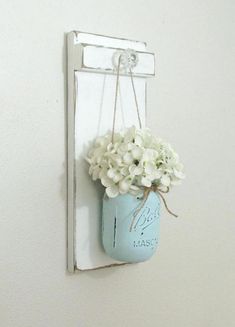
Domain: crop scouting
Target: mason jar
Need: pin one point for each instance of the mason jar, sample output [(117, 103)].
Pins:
[(130, 226)]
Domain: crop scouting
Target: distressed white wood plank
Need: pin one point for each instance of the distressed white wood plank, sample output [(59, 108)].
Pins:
[(90, 112)]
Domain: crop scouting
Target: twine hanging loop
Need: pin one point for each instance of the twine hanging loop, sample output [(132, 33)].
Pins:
[(124, 61)]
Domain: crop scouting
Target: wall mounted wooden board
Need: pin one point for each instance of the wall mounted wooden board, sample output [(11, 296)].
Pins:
[(91, 89)]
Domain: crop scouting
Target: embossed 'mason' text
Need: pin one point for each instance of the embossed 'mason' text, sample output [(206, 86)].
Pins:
[(145, 243)]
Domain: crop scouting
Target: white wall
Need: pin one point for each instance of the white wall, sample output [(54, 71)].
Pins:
[(190, 282)]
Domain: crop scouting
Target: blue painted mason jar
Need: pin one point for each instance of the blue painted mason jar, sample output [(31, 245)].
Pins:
[(130, 226)]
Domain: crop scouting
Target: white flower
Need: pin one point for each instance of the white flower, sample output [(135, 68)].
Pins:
[(165, 180), (135, 160), (137, 152), (129, 135), (106, 181), (146, 182), (135, 170), (125, 184), (149, 154), (114, 174), (150, 168), (112, 191), (94, 172), (128, 158)]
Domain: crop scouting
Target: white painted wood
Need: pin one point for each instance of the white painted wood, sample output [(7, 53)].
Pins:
[(107, 41), (100, 59), (90, 112)]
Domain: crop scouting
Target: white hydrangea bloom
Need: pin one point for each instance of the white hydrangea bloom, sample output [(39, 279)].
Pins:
[(136, 159)]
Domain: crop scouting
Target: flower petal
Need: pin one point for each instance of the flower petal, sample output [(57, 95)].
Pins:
[(135, 170), (157, 174), (112, 191), (127, 158), (179, 174), (146, 182), (139, 140), (165, 180), (137, 153), (111, 172), (106, 181), (124, 185), (124, 171), (117, 177), (149, 168), (95, 173)]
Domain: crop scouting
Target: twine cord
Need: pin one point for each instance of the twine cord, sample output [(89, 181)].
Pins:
[(116, 97), (135, 96)]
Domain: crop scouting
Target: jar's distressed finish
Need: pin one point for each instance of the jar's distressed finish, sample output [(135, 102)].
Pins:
[(122, 242)]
